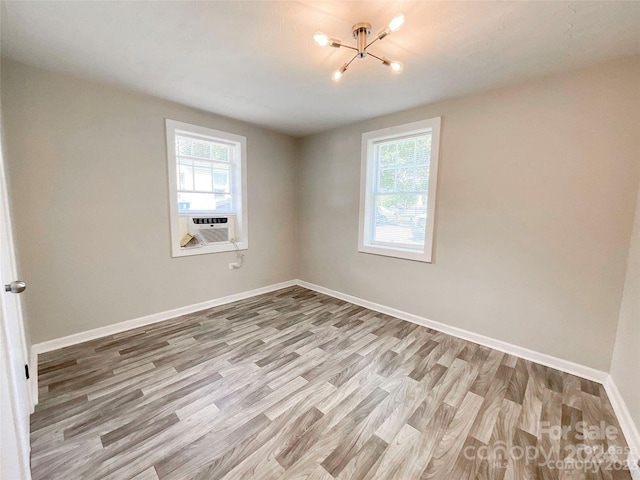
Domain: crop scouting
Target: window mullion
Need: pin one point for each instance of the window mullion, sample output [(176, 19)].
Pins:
[(399, 192), (193, 176), (213, 186), (204, 192), (209, 160)]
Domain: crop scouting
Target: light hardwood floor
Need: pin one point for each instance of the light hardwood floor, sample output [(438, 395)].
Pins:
[(298, 385)]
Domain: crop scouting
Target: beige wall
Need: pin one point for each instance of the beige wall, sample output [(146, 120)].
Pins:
[(536, 195), (88, 172), (626, 354)]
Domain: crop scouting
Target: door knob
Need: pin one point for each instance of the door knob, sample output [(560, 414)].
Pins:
[(17, 286)]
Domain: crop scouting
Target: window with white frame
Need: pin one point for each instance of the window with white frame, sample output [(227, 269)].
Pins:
[(207, 184), (398, 190)]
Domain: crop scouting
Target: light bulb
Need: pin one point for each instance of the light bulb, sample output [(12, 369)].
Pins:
[(396, 22), (321, 39), (397, 67), (383, 33), (337, 75)]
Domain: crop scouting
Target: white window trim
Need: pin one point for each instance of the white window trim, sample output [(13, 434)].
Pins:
[(242, 217), (367, 179)]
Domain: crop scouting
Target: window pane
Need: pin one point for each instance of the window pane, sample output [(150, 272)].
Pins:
[(185, 175), (422, 178), (400, 220), (387, 180), (184, 146), (406, 152), (203, 176), (210, 180), (210, 202), (423, 149), (220, 152), (405, 179), (202, 148), (221, 179), (387, 154), (403, 165)]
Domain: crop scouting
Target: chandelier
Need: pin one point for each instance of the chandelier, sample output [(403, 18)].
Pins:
[(361, 32)]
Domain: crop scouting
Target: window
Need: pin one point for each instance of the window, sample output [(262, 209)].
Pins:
[(398, 190), (207, 178)]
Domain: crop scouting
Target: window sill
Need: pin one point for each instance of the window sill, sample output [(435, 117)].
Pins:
[(399, 252), (223, 247)]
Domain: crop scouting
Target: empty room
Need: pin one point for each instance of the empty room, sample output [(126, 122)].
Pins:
[(391, 240)]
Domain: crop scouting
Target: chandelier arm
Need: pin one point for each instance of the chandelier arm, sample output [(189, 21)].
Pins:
[(372, 42), (375, 56), (349, 47), (354, 57)]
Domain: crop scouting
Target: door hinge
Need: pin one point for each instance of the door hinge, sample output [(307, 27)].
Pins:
[(26, 371)]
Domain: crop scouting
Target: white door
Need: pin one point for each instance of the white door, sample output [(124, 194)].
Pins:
[(15, 395)]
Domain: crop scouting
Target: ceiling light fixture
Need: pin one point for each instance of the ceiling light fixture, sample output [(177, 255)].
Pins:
[(361, 32)]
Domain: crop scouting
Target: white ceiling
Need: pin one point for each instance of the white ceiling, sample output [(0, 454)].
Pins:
[(256, 61)]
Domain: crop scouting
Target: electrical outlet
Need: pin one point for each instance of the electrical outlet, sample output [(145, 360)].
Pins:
[(233, 266)]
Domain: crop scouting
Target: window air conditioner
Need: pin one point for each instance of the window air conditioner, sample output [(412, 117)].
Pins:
[(211, 229)]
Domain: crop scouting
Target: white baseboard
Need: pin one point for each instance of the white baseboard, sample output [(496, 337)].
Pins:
[(548, 360), (153, 318), (119, 327), (629, 428), (537, 357)]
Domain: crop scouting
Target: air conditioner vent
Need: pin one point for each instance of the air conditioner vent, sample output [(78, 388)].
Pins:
[(211, 220), (214, 235)]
